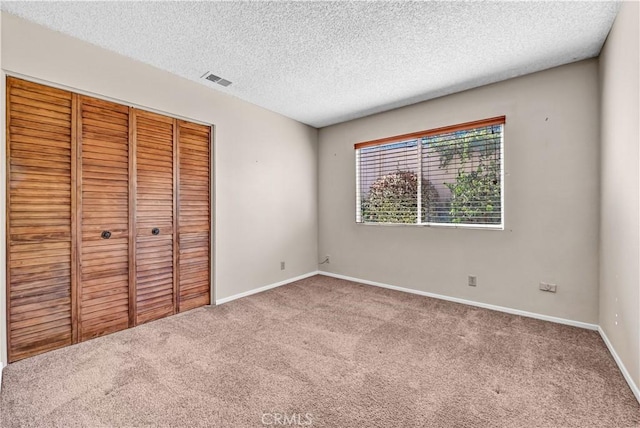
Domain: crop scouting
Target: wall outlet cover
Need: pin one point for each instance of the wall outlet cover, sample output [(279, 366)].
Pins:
[(551, 288)]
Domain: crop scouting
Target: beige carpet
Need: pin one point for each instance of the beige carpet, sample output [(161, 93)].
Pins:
[(327, 353)]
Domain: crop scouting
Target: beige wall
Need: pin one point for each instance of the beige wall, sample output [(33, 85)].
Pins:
[(551, 200), (620, 206), (265, 164)]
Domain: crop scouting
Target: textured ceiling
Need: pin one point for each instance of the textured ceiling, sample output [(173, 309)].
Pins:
[(327, 62)]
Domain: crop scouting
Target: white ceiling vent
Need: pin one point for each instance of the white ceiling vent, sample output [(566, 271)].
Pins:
[(216, 79)]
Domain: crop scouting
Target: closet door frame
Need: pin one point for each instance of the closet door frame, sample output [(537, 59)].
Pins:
[(212, 215), (133, 230), (176, 213)]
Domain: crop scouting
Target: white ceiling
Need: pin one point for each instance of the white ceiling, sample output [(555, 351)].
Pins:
[(323, 63)]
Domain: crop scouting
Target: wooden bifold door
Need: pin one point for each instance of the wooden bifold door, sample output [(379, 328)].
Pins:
[(103, 204), (108, 217), (156, 212)]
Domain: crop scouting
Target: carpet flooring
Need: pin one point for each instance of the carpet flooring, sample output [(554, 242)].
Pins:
[(324, 352)]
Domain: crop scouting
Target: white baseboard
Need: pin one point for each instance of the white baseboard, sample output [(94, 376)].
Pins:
[(1, 368), (468, 302), (621, 366), (265, 288)]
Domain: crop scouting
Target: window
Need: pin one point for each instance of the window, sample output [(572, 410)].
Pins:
[(446, 176)]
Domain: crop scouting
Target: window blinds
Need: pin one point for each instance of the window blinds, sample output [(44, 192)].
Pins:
[(450, 176)]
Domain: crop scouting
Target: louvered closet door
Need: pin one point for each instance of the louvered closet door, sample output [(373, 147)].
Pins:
[(103, 187), (194, 215), (155, 295), (40, 217)]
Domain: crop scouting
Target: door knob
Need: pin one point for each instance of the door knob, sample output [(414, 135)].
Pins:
[(155, 231), (105, 234)]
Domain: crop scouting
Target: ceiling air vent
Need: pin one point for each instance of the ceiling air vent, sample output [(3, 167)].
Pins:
[(216, 79)]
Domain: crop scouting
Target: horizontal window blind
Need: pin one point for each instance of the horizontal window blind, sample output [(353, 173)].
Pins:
[(389, 177), (449, 175)]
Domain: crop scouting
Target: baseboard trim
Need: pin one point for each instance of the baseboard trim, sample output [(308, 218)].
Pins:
[(467, 302), (621, 366), (1, 368), (265, 288)]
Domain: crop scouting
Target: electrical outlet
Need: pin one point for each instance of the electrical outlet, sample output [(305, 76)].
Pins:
[(473, 280), (551, 288), (281, 265)]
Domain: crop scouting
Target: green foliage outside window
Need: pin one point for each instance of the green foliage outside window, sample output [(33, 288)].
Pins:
[(393, 198), (476, 191), (475, 195)]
